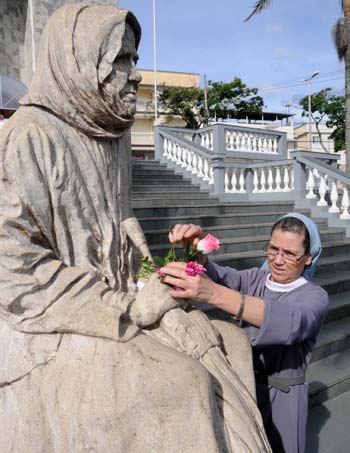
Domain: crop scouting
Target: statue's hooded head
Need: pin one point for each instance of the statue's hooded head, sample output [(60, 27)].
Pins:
[(86, 71)]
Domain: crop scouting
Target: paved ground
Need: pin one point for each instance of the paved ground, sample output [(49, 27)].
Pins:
[(329, 426)]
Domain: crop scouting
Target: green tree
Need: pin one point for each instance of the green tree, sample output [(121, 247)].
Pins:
[(341, 39), (185, 102), (225, 100), (336, 118), (233, 99), (320, 103)]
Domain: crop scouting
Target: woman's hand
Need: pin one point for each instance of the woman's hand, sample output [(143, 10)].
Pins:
[(198, 288), (188, 232), (185, 232)]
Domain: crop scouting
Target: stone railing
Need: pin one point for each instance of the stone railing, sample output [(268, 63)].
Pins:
[(310, 180), (236, 141)]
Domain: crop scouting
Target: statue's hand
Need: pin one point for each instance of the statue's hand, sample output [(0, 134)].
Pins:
[(152, 302)]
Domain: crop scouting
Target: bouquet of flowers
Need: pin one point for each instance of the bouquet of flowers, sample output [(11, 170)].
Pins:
[(204, 247)]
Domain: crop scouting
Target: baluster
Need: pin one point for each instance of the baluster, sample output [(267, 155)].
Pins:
[(259, 145), (254, 143), (334, 198), (263, 181), (269, 145), (189, 160), (255, 181), (206, 170), (211, 140), (345, 203), (286, 180), (194, 164), (275, 146), (227, 181), (278, 180), (211, 173), (227, 140), (202, 140), (270, 181), (234, 181), (200, 167), (232, 140), (178, 154), (185, 150), (310, 185), (241, 181), (165, 147), (322, 192)]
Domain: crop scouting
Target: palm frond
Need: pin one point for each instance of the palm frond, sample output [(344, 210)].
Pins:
[(258, 7), (341, 37)]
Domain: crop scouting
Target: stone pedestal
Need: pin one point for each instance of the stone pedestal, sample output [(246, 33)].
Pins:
[(18, 46)]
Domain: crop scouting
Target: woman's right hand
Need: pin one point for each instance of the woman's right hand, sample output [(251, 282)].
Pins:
[(185, 232)]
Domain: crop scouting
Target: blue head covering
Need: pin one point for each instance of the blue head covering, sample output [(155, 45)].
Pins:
[(315, 244)]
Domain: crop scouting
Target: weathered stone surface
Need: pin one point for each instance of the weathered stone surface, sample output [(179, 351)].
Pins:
[(18, 19), (89, 364)]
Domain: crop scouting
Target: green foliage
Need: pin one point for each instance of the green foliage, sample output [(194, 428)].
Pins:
[(326, 105), (233, 99), (186, 102), (224, 100)]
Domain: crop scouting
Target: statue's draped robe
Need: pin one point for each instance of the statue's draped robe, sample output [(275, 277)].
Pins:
[(76, 374)]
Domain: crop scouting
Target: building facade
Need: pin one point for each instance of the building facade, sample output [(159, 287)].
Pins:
[(142, 139)]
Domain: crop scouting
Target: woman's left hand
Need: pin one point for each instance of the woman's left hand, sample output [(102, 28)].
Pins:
[(199, 288)]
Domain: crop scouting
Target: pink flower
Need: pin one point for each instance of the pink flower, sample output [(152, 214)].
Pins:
[(193, 269), (208, 244)]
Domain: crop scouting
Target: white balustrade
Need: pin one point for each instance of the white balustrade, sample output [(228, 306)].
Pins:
[(248, 141), (345, 205)]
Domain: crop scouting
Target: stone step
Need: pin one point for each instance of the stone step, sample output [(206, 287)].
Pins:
[(214, 209), (328, 377), (154, 174), (334, 337), (245, 243), (170, 196), (209, 221), (176, 203), (166, 181), (165, 188), (159, 178), (159, 236), (336, 282), (340, 306)]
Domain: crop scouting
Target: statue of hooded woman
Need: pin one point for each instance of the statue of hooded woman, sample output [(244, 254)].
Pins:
[(87, 363)]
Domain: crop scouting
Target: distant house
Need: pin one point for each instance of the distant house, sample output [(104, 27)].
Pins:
[(142, 141)]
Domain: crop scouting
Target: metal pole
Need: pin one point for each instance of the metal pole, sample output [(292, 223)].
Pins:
[(207, 114), (155, 65), (31, 15), (310, 138)]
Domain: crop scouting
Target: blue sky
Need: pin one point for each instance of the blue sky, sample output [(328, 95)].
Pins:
[(272, 52)]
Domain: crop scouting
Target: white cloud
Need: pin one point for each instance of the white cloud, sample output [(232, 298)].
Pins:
[(275, 28)]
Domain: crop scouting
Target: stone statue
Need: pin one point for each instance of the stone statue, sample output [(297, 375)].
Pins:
[(87, 363)]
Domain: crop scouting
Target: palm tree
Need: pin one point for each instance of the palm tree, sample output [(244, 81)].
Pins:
[(341, 39)]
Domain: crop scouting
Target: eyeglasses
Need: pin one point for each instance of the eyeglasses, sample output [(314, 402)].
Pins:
[(289, 257)]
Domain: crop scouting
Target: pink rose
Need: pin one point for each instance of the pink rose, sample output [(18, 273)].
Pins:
[(193, 269), (208, 244)]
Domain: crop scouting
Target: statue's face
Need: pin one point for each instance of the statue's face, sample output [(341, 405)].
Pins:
[(124, 78)]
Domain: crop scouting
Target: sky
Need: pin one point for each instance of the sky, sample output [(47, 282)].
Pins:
[(273, 51)]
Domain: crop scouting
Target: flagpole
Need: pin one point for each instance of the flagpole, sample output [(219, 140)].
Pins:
[(155, 65)]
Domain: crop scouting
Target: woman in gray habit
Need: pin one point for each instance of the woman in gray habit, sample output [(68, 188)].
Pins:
[(281, 310)]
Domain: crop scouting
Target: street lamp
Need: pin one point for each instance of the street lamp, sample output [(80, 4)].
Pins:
[(314, 74), (155, 65)]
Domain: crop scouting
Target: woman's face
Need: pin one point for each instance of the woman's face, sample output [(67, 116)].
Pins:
[(124, 78), (282, 270)]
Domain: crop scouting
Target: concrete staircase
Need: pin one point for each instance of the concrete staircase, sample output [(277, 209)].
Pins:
[(161, 198)]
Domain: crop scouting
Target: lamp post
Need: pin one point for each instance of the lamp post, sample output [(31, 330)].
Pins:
[(155, 65), (314, 74)]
